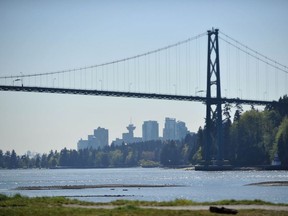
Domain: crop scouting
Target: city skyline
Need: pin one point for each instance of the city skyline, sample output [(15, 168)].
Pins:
[(43, 36), (150, 131)]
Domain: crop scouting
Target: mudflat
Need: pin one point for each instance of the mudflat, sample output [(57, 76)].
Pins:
[(61, 187), (270, 183)]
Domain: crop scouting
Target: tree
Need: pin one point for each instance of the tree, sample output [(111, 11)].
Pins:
[(53, 159), (281, 106), (24, 161), (1, 159), (201, 143), (169, 155), (44, 161), (84, 158), (64, 157), (73, 158), (247, 134), (131, 159), (238, 112), (189, 148), (13, 160), (282, 142), (116, 158), (38, 161), (227, 110), (271, 123), (228, 147)]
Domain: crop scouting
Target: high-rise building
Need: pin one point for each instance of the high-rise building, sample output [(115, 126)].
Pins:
[(82, 144), (101, 137), (98, 140), (181, 130), (150, 130), (169, 131), (174, 130)]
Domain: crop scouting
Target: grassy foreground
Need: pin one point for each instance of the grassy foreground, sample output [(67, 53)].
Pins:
[(19, 205)]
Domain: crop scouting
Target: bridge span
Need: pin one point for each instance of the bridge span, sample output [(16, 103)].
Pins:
[(133, 95)]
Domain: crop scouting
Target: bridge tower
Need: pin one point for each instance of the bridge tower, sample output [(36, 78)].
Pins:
[(213, 100)]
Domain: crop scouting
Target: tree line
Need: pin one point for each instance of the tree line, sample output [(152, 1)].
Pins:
[(150, 153), (250, 138)]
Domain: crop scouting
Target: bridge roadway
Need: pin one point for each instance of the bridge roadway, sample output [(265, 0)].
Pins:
[(130, 95)]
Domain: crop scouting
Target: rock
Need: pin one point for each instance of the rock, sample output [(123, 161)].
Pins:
[(222, 210)]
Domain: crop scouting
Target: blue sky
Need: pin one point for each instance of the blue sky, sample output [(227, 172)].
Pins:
[(42, 36)]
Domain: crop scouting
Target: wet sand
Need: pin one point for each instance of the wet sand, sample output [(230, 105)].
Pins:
[(270, 183), (63, 187)]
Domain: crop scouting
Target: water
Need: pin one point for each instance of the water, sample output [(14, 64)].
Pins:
[(195, 185)]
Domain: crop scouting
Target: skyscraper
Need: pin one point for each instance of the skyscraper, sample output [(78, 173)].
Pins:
[(169, 131), (150, 130), (98, 140), (174, 130), (181, 130), (101, 137)]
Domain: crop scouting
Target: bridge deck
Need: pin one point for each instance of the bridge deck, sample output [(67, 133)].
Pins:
[(129, 94)]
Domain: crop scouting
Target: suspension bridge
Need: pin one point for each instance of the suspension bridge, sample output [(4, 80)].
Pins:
[(180, 71)]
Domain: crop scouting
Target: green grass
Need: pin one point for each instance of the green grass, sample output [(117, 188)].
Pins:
[(22, 201), (21, 205), (183, 202)]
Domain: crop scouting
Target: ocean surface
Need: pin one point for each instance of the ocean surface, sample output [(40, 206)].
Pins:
[(192, 185)]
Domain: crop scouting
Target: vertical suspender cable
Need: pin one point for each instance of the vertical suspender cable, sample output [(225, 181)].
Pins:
[(247, 76), (91, 71), (107, 78), (276, 80), (257, 78), (267, 83)]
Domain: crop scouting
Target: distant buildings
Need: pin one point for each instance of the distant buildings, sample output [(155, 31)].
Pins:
[(128, 138), (169, 131), (101, 137), (173, 130), (150, 131), (98, 140), (181, 130)]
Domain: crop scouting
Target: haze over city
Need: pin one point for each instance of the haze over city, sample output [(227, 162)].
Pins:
[(44, 36)]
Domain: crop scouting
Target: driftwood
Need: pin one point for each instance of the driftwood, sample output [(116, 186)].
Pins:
[(222, 210)]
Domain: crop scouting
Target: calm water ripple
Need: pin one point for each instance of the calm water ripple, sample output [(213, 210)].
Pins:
[(197, 185)]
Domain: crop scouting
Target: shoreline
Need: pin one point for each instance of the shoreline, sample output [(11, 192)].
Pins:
[(184, 167), (236, 168)]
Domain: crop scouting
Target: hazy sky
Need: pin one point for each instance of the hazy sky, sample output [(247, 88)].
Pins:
[(41, 36)]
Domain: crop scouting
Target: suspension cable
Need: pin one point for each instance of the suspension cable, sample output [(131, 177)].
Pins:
[(111, 62), (272, 62)]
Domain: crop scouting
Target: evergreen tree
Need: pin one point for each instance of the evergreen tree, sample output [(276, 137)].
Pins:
[(247, 134), (13, 160), (44, 161), (1, 159), (282, 142), (170, 154)]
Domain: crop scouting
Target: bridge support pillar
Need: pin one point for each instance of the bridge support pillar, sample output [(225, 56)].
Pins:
[(213, 145)]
